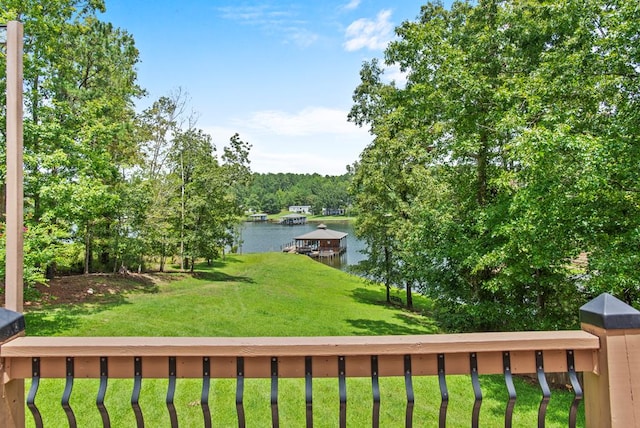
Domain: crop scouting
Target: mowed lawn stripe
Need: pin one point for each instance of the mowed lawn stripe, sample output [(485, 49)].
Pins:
[(268, 294)]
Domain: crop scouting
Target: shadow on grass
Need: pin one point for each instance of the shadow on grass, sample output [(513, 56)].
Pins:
[(428, 325), (214, 264), (145, 286), (378, 296), (383, 328), (52, 320), (222, 277), (371, 296)]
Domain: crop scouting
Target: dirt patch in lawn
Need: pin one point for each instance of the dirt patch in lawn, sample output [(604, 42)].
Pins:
[(94, 288)]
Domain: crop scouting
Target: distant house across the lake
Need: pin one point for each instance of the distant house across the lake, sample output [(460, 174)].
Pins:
[(300, 209)]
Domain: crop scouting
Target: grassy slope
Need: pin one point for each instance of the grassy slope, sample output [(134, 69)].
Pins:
[(269, 295)]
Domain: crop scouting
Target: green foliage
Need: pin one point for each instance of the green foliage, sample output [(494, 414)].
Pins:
[(271, 192), (506, 156), (80, 85), (207, 209)]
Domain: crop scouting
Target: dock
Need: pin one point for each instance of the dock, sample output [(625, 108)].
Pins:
[(293, 219), (321, 243)]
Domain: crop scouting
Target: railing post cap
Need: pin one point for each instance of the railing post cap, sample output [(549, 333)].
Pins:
[(608, 312), (11, 323)]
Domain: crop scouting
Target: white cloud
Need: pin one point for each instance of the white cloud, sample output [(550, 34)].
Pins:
[(352, 5), (373, 35), (297, 163), (315, 139), (272, 20), (309, 121), (302, 37), (254, 15)]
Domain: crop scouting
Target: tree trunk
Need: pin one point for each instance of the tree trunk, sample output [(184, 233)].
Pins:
[(482, 173), (87, 249), (409, 297), (162, 256), (51, 270), (387, 279)]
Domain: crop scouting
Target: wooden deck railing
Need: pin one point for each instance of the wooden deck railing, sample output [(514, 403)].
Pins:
[(301, 357), (607, 351)]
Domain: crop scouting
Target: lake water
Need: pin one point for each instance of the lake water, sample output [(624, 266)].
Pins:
[(263, 237)]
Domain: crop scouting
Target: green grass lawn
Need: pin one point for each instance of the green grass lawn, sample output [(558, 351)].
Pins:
[(269, 295)]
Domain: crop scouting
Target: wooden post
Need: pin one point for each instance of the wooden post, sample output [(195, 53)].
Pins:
[(12, 323), (12, 393), (14, 204), (612, 394)]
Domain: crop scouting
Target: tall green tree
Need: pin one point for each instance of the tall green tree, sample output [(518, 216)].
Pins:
[(382, 183), (79, 89), (157, 127), (509, 154), (207, 207)]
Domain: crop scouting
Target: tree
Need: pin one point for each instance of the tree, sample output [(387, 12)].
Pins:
[(277, 191), (206, 207), (157, 126), (586, 91), (502, 157), (79, 86), (94, 90)]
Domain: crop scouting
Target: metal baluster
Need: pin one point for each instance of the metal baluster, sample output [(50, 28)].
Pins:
[(477, 391), (102, 391), (171, 392), (544, 386), (577, 389), (308, 379), (444, 393), (204, 399), (375, 386), (408, 383), (31, 397), (342, 386), (508, 379), (240, 392), (66, 395), (135, 395), (275, 419)]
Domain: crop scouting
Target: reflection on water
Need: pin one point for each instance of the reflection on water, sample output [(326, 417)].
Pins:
[(265, 237)]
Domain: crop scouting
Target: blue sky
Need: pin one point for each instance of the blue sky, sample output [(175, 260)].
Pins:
[(280, 73)]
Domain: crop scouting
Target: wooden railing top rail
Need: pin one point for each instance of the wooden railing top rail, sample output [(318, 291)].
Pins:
[(488, 349), (298, 346)]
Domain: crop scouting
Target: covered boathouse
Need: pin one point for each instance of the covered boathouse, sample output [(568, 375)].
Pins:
[(293, 219), (322, 242)]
